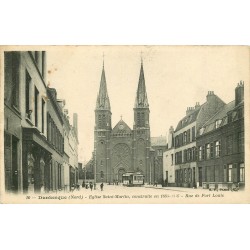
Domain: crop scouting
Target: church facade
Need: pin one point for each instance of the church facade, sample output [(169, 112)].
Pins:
[(121, 149)]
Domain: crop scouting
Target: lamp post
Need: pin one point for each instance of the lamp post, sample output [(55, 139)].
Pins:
[(85, 174), (85, 170)]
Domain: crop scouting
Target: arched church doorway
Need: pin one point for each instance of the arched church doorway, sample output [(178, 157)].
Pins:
[(121, 171)]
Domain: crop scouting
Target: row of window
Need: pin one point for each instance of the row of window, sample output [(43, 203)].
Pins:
[(187, 155), (183, 175), (185, 137), (56, 176), (101, 134), (210, 150), (235, 143), (121, 134), (213, 149), (232, 116), (235, 114), (11, 78), (29, 96), (12, 84), (227, 173), (54, 136), (140, 119), (103, 121), (39, 57)]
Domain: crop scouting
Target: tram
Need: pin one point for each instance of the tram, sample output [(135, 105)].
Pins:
[(132, 179)]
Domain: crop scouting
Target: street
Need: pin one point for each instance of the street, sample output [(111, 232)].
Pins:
[(146, 189)]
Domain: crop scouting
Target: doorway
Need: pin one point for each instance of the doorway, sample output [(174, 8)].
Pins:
[(14, 164), (200, 176), (121, 171)]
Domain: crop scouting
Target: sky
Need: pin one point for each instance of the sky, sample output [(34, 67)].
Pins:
[(176, 78)]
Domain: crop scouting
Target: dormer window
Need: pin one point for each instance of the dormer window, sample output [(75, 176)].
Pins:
[(230, 116), (202, 130), (217, 123)]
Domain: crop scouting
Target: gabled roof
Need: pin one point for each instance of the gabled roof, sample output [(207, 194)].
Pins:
[(188, 119), (121, 127), (221, 113), (219, 116)]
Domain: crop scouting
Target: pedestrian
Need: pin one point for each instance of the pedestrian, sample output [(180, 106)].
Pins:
[(83, 184), (101, 186), (94, 186), (91, 186)]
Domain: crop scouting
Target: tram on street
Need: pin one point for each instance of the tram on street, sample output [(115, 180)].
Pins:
[(132, 179)]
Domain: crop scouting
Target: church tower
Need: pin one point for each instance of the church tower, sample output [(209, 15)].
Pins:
[(141, 129), (102, 132)]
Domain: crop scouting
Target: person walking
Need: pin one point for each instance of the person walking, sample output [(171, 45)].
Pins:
[(91, 186), (101, 186)]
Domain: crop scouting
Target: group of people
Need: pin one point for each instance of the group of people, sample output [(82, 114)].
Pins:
[(91, 185), (87, 185)]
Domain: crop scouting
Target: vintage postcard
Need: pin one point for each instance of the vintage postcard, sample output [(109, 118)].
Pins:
[(124, 124)]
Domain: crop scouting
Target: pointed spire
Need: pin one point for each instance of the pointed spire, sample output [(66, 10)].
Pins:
[(103, 60), (102, 101), (141, 100)]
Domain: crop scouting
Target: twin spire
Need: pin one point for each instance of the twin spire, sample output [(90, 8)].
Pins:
[(102, 101), (141, 100)]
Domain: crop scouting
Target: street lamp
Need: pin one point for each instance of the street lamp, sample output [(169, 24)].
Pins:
[(85, 174)]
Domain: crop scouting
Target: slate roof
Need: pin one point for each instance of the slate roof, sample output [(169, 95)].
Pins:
[(188, 119), (220, 115), (102, 101), (159, 141), (141, 100)]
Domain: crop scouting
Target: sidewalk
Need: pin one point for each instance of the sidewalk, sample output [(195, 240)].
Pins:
[(177, 189)]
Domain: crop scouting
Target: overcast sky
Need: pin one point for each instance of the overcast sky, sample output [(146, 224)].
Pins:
[(176, 78)]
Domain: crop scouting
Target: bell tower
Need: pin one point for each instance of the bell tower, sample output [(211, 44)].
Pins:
[(141, 128), (102, 132)]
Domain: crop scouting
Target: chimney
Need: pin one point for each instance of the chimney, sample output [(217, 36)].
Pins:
[(61, 103), (53, 93), (239, 93), (189, 110), (210, 96), (171, 137), (75, 123), (197, 105)]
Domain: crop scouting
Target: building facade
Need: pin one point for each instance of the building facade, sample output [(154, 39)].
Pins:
[(121, 149), (182, 156), (12, 123), (56, 139), (168, 160), (33, 126), (220, 145), (158, 147)]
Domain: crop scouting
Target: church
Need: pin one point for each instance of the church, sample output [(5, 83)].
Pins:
[(121, 149)]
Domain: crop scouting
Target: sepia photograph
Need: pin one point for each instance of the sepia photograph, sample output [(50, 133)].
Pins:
[(125, 124)]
